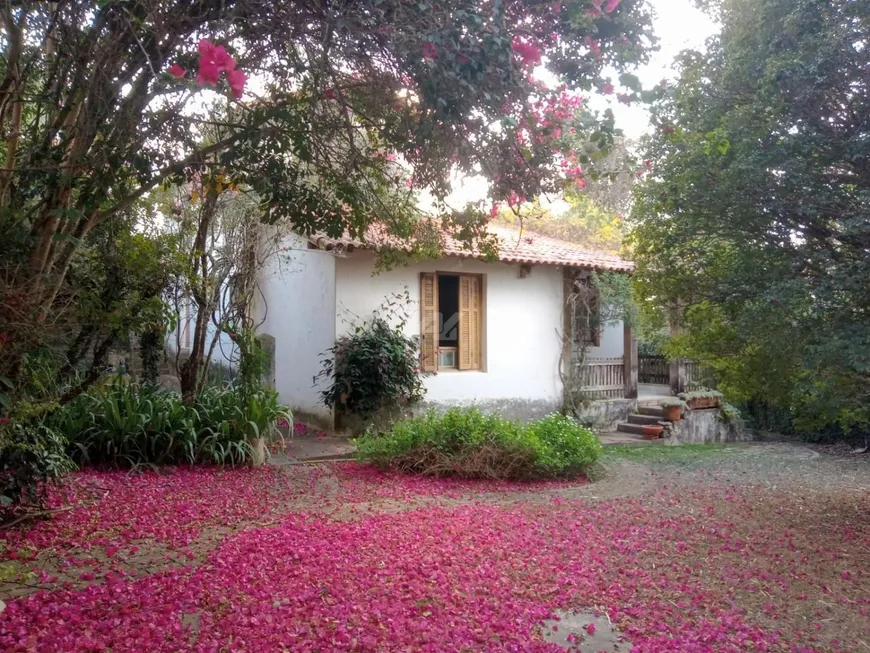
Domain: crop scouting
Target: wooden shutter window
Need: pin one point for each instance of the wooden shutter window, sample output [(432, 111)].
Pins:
[(469, 323), (475, 322), (428, 322)]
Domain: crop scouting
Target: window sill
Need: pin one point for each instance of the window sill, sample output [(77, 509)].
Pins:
[(453, 370)]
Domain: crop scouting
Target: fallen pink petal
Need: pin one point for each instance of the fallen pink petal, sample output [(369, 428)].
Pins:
[(344, 556)]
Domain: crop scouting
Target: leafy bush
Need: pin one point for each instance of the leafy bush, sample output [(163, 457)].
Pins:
[(375, 367), (127, 424), (32, 453), (728, 413), (470, 444), (701, 394)]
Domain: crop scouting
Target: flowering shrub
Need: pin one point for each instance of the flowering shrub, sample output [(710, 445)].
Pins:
[(127, 424), (469, 444)]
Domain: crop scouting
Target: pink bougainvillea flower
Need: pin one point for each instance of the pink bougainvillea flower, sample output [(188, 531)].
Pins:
[(590, 628), (208, 74), (530, 53), (222, 59), (177, 71), (214, 60), (607, 89), (216, 55), (594, 47), (430, 50), (236, 80), (611, 5)]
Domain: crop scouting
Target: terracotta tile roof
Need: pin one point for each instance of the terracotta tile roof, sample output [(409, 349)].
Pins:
[(515, 247)]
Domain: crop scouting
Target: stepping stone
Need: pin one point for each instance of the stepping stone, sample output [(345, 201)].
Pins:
[(572, 633)]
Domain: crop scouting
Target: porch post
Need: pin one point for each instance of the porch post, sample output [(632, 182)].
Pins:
[(677, 369), (629, 359), (677, 372)]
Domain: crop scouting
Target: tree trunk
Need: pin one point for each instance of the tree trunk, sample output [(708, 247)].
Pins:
[(96, 371)]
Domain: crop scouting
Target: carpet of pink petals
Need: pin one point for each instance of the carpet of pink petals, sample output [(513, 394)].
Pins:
[(701, 570), (366, 483)]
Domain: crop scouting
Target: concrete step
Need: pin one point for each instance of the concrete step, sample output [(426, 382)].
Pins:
[(636, 418), (651, 410), (646, 430)]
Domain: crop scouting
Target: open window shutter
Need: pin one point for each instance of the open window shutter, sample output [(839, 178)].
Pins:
[(428, 322), (469, 322), (475, 322), (465, 360)]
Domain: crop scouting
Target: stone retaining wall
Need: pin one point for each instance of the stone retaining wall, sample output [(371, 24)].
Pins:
[(706, 426)]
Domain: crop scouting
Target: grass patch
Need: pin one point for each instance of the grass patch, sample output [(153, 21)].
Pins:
[(685, 453)]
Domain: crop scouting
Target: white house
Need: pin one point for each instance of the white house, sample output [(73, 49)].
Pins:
[(491, 331)]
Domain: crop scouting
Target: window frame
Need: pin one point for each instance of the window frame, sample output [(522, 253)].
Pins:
[(431, 321)]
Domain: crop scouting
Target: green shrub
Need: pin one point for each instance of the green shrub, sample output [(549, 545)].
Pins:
[(470, 444), (32, 454), (702, 393), (126, 425), (728, 413), (375, 367)]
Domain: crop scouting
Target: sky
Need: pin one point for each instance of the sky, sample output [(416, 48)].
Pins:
[(679, 26)]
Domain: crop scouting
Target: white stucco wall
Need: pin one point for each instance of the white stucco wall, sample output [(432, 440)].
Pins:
[(521, 347), (298, 309), (612, 342)]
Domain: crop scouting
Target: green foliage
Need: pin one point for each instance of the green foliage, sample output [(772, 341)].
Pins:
[(671, 403), (728, 413), (584, 223), (32, 454), (754, 221), (126, 425), (92, 125), (252, 358), (375, 367), (470, 444), (615, 299), (701, 394), (151, 348)]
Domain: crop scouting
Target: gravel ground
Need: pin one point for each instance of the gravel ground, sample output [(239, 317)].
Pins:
[(767, 464)]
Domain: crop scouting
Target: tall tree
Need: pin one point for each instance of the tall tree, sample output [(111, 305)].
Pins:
[(756, 217), (99, 105)]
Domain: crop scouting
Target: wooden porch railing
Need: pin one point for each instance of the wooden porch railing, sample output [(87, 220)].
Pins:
[(603, 378), (698, 376), (654, 369)]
